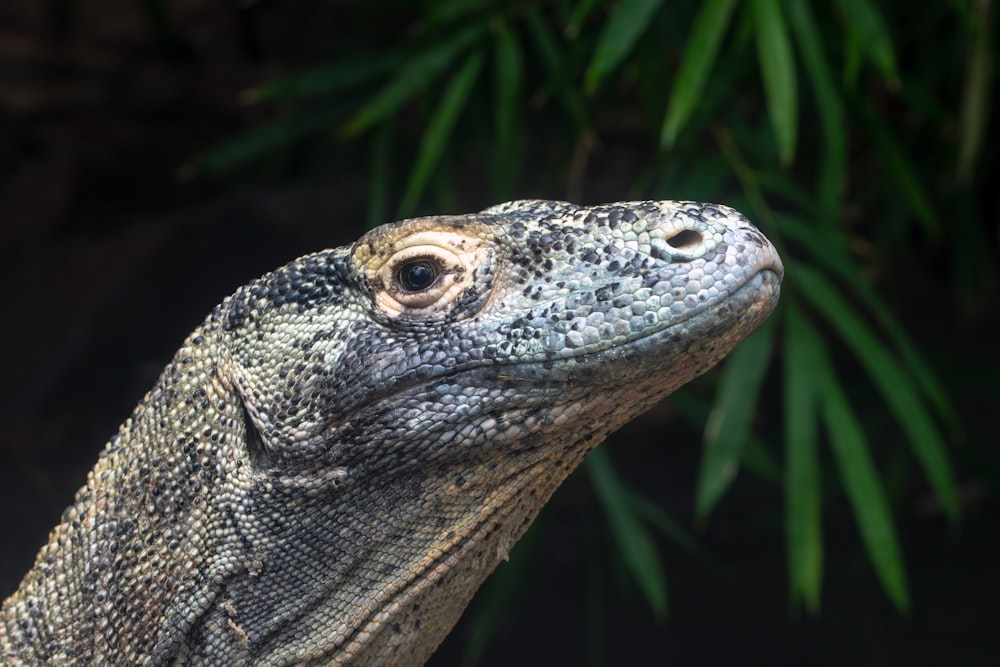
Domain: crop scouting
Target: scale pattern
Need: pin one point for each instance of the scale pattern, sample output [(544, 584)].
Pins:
[(346, 447)]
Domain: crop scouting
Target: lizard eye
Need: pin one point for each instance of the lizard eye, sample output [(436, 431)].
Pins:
[(423, 274), (418, 275)]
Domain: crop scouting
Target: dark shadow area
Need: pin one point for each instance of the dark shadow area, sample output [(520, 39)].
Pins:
[(109, 256)]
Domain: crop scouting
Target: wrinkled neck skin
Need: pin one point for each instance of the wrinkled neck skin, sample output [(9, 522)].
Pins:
[(344, 451), (403, 553), (132, 565), (411, 544)]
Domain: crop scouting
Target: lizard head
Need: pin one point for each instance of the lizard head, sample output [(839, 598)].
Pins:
[(337, 458), (527, 306), (453, 370)]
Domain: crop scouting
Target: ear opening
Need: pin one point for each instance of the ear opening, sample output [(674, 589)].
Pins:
[(260, 459)]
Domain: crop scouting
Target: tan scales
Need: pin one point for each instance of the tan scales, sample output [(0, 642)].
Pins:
[(345, 449)]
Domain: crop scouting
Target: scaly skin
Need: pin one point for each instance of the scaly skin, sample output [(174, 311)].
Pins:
[(345, 448)]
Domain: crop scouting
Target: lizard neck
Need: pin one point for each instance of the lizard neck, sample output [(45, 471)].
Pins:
[(400, 559), (133, 563)]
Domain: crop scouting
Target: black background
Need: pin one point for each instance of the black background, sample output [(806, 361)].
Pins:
[(109, 258)]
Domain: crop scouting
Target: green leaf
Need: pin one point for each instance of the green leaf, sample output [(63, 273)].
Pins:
[(867, 29), (901, 168), (498, 595), (329, 78), (803, 497), (383, 143), (777, 67), (654, 515), (793, 192), (555, 63), (627, 23), (699, 57), (833, 172), (830, 250), (758, 459), (577, 17), (889, 378), (853, 52), (699, 179), (411, 79), (864, 489), (747, 177), (827, 247), (728, 424), (545, 43), (509, 81), (636, 547), (439, 130), (277, 135), (975, 95)]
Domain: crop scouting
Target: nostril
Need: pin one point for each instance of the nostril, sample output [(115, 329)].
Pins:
[(684, 246), (686, 239)]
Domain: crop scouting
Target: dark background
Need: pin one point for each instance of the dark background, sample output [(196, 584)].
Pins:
[(112, 249)]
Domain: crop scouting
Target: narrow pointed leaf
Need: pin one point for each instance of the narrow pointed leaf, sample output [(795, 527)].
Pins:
[(919, 368), (901, 168), (509, 81), (777, 67), (872, 36), (439, 130), (656, 517), (853, 52), (545, 43), (556, 68), (864, 490), (629, 20), (758, 459), (268, 138), (634, 543), (746, 175), (803, 497), (891, 381), (819, 73), (975, 94), (328, 78), (411, 79), (699, 56), (830, 252), (577, 17), (729, 421)]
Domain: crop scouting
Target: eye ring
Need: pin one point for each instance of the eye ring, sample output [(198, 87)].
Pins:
[(424, 274), (418, 275)]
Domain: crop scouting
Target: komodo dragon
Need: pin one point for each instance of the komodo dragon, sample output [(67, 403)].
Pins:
[(345, 448)]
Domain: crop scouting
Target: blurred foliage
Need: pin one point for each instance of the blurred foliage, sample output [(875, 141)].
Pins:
[(847, 130)]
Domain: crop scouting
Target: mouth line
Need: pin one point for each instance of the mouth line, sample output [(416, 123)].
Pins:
[(768, 292), (699, 310)]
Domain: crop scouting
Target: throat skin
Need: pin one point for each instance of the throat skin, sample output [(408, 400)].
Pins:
[(346, 448)]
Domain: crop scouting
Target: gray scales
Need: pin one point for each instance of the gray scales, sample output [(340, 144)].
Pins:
[(345, 449)]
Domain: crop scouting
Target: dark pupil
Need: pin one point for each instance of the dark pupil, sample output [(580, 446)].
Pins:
[(417, 276)]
